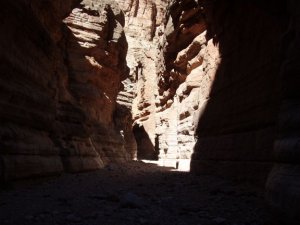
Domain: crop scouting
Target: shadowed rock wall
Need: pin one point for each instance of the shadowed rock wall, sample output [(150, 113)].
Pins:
[(59, 85), (283, 184), (237, 125)]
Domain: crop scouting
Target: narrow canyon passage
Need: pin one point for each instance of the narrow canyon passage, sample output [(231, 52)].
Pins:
[(205, 86), (131, 194)]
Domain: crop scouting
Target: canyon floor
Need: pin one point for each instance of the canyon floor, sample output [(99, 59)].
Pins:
[(131, 193)]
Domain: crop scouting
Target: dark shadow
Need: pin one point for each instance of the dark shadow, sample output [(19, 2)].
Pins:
[(145, 148), (156, 147), (154, 192), (237, 128)]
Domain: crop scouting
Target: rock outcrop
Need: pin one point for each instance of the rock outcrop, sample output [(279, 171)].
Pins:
[(62, 63)]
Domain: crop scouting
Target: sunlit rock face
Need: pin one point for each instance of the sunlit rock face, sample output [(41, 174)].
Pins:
[(190, 61), (96, 48), (62, 63), (166, 48), (144, 26)]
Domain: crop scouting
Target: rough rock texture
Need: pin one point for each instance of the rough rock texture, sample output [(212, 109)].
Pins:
[(158, 31), (96, 48), (168, 49), (218, 79), (197, 69), (58, 86), (144, 24), (207, 84), (182, 82)]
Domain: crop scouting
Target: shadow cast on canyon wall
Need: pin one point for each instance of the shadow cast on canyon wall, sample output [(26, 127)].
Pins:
[(145, 148), (49, 97), (237, 127), (94, 80)]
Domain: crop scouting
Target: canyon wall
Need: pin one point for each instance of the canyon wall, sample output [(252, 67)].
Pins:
[(62, 63), (86, 83), (223, 94), (283, 184), (194, 83), (144, 28), (186, 53), (237, 126), (167, 48)]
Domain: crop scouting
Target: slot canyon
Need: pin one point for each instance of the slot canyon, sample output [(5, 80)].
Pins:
[(207, 91)]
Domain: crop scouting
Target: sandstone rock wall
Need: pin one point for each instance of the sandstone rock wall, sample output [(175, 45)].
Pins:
[(144, 25), (237, 126), (59, 86), (167, 45), (182, 83), (167, 50), (195, 79), (218, 79), (96, 49)]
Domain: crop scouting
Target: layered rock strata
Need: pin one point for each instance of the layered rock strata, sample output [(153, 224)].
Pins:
[(183, 85), (218, 80), (168, 49), (59, 86), (144, 24), (158, 31), (203, 73)]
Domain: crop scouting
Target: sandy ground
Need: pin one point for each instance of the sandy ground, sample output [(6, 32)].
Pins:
[(133, 193)]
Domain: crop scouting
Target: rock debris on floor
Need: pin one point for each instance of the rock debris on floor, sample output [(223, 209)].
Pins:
[(130, 194)]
